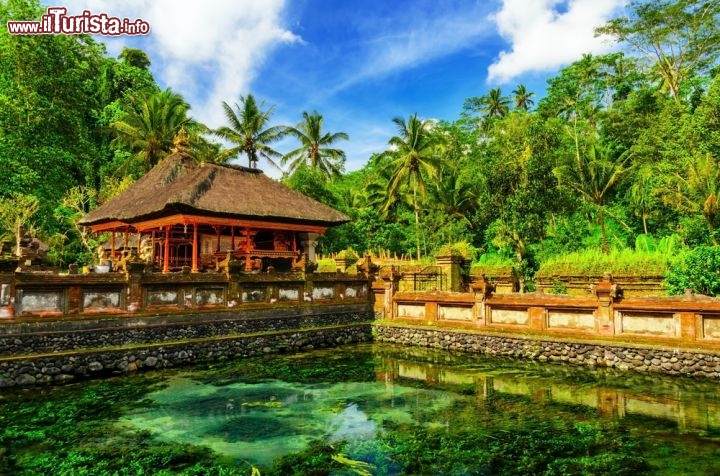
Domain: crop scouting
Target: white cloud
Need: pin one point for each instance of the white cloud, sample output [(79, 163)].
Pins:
[(543, 39), (415, 37), (209, 51)]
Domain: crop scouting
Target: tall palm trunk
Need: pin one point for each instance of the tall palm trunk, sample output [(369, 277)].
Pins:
[(417, 218), (604, 242)]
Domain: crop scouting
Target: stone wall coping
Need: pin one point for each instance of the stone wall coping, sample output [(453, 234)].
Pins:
[(112, 322), (671, 304), (170, 344)]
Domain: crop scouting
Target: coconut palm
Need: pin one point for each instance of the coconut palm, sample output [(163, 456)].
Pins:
[(522, 98), (314, 147), (697, 191), (415, 159), (495, 104), (248, 132), (148, 129), (593, 174), (642, 194)]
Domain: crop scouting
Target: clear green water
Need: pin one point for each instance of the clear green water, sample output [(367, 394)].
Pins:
[(369, 409)]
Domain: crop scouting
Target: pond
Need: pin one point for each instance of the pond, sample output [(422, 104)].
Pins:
[(365, 409)]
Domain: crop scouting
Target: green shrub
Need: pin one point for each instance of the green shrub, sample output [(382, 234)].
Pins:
[(558, 287), (348, 253), (698, 270), (459, 248), (326, 265)]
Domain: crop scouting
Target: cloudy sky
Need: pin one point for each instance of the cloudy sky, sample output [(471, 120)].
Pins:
[(357, 62)]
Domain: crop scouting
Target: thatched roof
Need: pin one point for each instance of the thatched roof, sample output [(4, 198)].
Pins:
[(178, 184)]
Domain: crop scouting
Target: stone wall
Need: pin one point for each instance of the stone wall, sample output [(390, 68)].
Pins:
[(63, 336), (69, 367), (689, 363), (60, 351)]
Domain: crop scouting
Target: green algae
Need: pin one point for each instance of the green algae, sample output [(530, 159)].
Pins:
[(367, 409)]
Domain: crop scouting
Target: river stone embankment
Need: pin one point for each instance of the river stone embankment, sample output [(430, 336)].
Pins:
[(678, 362), (58, 352)]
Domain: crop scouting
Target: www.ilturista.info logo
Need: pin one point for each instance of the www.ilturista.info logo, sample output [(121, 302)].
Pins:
[(57, 22)]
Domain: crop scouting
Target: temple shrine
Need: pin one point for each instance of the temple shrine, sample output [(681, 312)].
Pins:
[(199, 215)]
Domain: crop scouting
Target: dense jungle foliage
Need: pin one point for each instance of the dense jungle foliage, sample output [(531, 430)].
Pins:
[(622, 149)]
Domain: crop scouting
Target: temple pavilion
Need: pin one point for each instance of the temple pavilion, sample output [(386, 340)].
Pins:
[(184, 213)]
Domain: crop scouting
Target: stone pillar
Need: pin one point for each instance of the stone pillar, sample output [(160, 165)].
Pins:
[(391, 283), (451, 266), (483, 289), (606, 291), (233, 271), (377, 289), (134, 268), (308, 242), (7, 289), (690, 326)]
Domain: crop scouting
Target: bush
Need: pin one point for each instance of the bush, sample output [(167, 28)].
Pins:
[(459, 248), (698, 270)]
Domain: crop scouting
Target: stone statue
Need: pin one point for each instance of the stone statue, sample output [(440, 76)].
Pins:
[(101, 254), (146, 251)]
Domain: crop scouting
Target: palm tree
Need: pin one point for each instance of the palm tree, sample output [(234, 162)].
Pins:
[(495, 104), (593, 175), (247, 131), (416, 157), (697, 191), (642, 196), (314, 147), (149, 128), (522, 98)]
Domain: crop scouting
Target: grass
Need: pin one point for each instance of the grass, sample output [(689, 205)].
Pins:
[(491, 264), (594, 262)]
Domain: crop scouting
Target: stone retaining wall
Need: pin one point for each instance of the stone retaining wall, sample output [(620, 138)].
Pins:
[(623, 357), (68, 367), (62, 336), (57, 351)]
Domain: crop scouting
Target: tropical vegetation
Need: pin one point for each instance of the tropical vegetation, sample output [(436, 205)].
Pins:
[(620, 145)]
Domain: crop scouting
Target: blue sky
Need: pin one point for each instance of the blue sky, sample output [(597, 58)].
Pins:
[(358, 63)]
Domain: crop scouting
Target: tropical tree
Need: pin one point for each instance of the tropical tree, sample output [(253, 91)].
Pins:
[(149, 128), (681, 38), (593, 174), (522, 98), (415, 159), (642, 196), (15, 213), (490, 107), (697, 191), (249, 133), (315, 148)]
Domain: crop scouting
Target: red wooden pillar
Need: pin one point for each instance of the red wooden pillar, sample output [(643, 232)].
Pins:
[(125, 246), (232, 238), (248, 249), (166, 257), (112, 246), (195, 249), (152, 243)]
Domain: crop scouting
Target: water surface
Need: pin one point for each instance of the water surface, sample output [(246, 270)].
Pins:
[(366, 409)]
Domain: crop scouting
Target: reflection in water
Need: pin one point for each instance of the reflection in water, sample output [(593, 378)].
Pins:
[(682, 408), (250, 414)]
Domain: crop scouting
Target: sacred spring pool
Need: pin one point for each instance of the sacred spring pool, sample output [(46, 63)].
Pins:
[(366, 409)]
